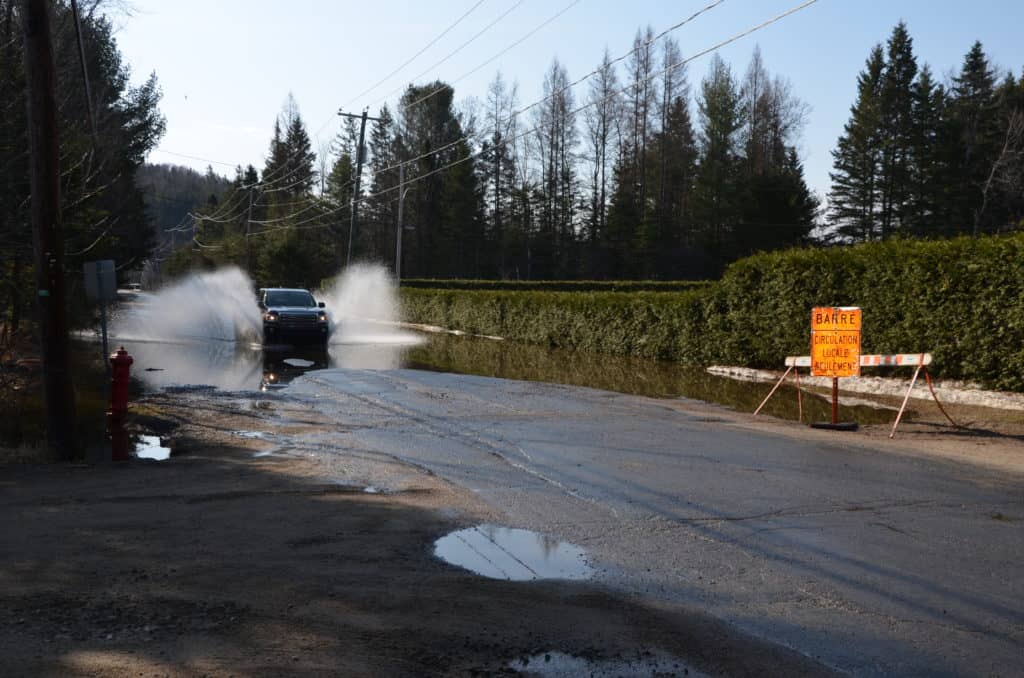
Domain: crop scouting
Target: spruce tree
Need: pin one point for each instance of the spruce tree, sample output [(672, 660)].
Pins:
[(896, 130), (974, 126), (854, 201), (926, 213), (717, 193)]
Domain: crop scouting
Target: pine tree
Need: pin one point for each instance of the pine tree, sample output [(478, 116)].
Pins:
[(300, 157), (556, 140), (896, 113), (854, 198), (377, 238), (926, 201), (717, 189), (497, 163), (602, 121), (974, 122)]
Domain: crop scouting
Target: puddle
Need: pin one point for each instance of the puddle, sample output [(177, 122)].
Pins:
[(150, 447), (621, 374), (512, 554), (559, 665), (253, 435), (370, 489)]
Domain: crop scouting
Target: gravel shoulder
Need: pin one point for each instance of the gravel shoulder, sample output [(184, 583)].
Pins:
[(243, 555)]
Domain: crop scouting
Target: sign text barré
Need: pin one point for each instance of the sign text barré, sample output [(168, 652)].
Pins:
[(835, 341)]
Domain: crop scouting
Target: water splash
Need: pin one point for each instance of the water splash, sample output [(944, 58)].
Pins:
[(220, 305), (364, 308)]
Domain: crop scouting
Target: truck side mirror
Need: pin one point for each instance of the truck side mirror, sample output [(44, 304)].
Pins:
[(321, 304)]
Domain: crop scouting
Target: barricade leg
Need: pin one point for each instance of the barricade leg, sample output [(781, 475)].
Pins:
[(774, 389), (905, 399), (928, 379), (799, 398)]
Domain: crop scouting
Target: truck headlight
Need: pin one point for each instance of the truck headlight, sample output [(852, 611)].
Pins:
[(321, 317), (270, 316)]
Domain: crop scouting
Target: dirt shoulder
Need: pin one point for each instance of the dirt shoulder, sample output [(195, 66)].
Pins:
[(241, 556), (986, 437)]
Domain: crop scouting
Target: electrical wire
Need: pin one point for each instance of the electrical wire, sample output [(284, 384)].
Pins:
[(667, 69), (470, 156), (414, 56), (563, 89), (459, 49), (498, 55)]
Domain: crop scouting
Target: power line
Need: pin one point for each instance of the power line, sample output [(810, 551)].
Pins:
[(470, 156), (667, 69), (459, 49), (519, 112), (195, 157), (414, 56)]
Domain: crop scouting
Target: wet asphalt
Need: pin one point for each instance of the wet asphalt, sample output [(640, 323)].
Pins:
[(868, 561)]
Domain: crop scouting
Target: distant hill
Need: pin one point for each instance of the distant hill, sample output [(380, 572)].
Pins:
[(172, 191)]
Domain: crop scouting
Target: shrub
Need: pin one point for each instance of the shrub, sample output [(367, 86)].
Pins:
[(961, 299)]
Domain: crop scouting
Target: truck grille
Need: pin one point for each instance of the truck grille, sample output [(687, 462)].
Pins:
[(297, 321)]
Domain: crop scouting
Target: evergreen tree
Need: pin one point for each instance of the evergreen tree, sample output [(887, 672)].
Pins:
[(974, 127), (300, 157), (929, 180), (602, 120), (896, 113), (556, 140), (718, 188), (498, 166), (854, 198), (378, 215), (430, 130)]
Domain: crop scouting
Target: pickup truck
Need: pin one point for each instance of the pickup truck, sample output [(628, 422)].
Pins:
[(293, 316)]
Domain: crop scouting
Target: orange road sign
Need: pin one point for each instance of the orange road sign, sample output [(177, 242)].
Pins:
[(835, 341)]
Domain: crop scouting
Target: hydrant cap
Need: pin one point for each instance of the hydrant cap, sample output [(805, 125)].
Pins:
[(121, 357)]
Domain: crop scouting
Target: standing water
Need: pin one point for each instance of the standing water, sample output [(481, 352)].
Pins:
[(206, 329)]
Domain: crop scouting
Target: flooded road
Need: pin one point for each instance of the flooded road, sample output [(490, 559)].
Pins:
[(240, 366)]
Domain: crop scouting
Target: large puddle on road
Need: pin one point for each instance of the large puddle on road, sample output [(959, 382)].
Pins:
[(239, 366), (205, 329), (512, 554), (561, 665), (636, 376)]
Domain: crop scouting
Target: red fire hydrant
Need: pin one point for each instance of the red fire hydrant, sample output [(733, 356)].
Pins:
[(120, 363)]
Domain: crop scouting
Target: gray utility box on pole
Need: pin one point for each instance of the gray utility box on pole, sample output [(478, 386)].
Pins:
[(101, 286), (100, 280)]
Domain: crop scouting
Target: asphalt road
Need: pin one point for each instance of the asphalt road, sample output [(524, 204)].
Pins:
[(871, 562)]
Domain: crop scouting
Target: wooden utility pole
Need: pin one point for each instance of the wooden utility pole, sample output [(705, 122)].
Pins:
[(248, 239), (360, 155), (40, 80), (398, 230)]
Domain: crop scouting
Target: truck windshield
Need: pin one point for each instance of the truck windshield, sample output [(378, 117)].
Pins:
[(290, 298)]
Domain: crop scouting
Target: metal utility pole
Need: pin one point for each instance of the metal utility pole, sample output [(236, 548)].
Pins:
[(40, 80), (360, 155)]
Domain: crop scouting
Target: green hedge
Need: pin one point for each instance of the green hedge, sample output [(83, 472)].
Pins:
[(646, 324), (961, 299), (557, 285)]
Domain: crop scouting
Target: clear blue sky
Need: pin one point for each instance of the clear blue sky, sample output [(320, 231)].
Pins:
[(227, 66)]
